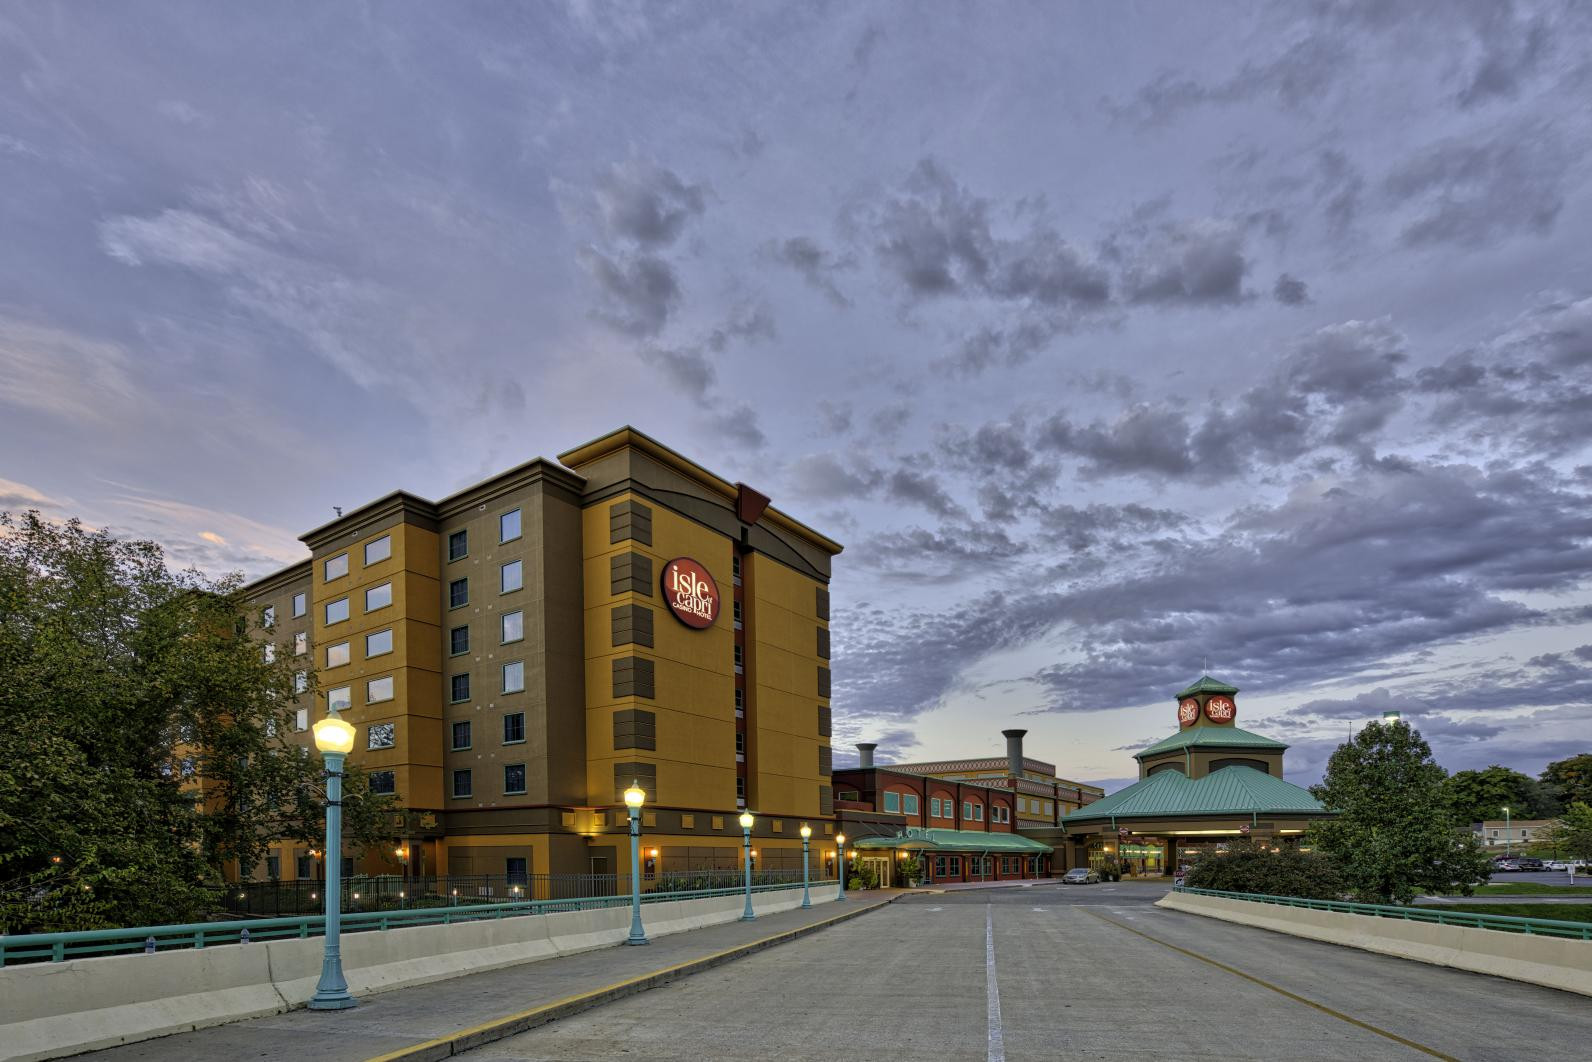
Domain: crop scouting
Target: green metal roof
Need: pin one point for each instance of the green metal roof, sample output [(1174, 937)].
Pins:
[(1220, 737), (1229, 791), (1206, 684), (935, 840)]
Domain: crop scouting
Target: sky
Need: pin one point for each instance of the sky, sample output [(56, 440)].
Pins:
[(1111, 340)]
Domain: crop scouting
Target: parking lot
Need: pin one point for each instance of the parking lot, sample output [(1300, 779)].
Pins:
[(1052, 971)]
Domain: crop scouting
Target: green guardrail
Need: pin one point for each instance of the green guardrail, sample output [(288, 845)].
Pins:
[(58, 947), (1443, 916)]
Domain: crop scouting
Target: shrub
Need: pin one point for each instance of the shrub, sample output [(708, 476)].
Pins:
[(1250, 867)]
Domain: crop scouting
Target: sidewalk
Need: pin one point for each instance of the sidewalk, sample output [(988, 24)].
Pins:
[(393, 1024)]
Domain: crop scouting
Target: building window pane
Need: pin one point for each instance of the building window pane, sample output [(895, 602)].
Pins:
[(301, 720), (336, 567), (337, 611), (378, 643), (462, 786), (459, 641), (378, 690), (514, 677), (378, 597), (909, 803), (934, 806), (337, 655), (381, 782), (517, 872), (512, 576), (514, 778), (381, 735), (513, 728), (378, 549), (892, 801), (268, 652), (341, 698), (458, 593), (268, 616), (301, 643), (458, 545), (301, 604), (461, 735), (301, 681), (513, 626), (509, 526), (459, 689)]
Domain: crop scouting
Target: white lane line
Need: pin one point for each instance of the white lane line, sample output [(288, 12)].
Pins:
[(997, 1038)]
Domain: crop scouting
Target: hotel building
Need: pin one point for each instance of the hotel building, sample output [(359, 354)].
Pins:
[(516, 654)]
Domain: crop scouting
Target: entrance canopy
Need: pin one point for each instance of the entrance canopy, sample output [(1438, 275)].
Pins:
[(918, 839)]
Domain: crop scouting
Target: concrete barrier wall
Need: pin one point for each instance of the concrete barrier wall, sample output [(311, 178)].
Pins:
[(1550, 961), (49, 1010)]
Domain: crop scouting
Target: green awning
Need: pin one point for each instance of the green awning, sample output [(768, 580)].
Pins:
[(933, 840)]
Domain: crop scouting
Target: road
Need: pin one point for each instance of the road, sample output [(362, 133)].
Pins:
[(1070, 972)]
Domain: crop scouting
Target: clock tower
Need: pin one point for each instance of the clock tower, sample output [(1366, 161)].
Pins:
[(1207, 702)]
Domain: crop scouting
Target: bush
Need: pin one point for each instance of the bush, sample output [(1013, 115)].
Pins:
[(1249, 867)]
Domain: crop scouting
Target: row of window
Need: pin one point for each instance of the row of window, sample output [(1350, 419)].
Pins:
[(301, 604), (513, 781), (376, 597), (508, 531), (1034, 806), (513, 731), (907, 804), (511, 577), (376, 551)]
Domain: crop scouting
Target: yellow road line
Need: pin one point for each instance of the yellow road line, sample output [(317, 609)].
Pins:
[(529, 1019), (1367, 1026)]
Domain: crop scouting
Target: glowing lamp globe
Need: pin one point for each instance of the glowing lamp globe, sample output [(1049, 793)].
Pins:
[(635, 796), (840, 838), (746, 820), (334, 736), (807, 831)]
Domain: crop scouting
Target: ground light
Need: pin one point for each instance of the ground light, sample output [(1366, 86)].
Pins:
[(334, 737), (746, 844), (807, 833), (635, 796), (840, 864)]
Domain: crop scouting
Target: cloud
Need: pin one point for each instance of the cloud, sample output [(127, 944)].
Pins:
[(19, 497), (639, 291), (1297, 78), (1200, 262), (1290, 291), (825, 476), (646, 203), (67, 376), (739, 424), (816, 265)]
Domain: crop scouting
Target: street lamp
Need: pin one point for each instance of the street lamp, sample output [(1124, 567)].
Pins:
[(635, 796), (807, 833), (746, 844), (1506, 833), (840, 864), (334, 737)]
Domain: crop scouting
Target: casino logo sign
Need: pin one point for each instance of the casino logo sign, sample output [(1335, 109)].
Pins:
[(1188, 711), (1219, 710), (690, 593)]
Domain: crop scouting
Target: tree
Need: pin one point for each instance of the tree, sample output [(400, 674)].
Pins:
[(1570, 779), (1477, 796), (1395, 832), (142, 734), (1571, 834)]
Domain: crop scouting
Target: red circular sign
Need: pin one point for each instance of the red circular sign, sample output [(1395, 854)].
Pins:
[(690, 593), (1219, 709), (1188, 711)]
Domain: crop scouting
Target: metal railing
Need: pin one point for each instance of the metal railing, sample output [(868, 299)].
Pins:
[(1443, 916), (58, 947)]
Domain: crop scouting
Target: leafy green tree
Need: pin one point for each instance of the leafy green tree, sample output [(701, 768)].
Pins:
[(1570, 779), (1571, 834), (1477, 796), (1395, 832), (142, 735), (1247, 866)]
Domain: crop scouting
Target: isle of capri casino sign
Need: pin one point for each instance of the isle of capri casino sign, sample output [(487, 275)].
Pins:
[(690, 593)]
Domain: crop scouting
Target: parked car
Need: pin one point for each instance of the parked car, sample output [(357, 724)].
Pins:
[(1081, 876), (1530, 863), (1504, 866)]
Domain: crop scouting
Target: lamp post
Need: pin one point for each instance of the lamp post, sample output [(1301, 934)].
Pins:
[(840, 864), (635, 796), (1506, 833), (746, 844), (334, 737), (807, 833)]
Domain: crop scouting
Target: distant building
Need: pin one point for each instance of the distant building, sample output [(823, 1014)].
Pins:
[(1513, 835)]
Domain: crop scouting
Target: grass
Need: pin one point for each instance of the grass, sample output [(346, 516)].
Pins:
[(1559, 912), (1532, 888)]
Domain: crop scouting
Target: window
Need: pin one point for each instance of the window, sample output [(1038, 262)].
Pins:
[(459, 688), (909, 803), (513, 728), (934, 807), (513, 778), (509, 526), (458, 593), (342, 698), (273, 867), (978, 812), (301, 720), (740, 792), (967, 809), (740, 702), (740, 660), (378, 549), (268, 617), (378, 690), (740, 746), (514, 677), (462, 785), (303, 868), (516, 872), (461, 735), (381, 735), (892, 802), (458, 545), (337, 611), (513, 626), (268, 652), (737, 615), (337, 655), (378, 597), (459, 641), (336, 567), (379, 643), (735, 568), (301, 605), (301, 643), (511, 576), (382, 782), (301, 681)]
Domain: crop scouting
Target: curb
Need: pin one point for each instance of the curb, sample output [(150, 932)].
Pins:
[(502, 1028)]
